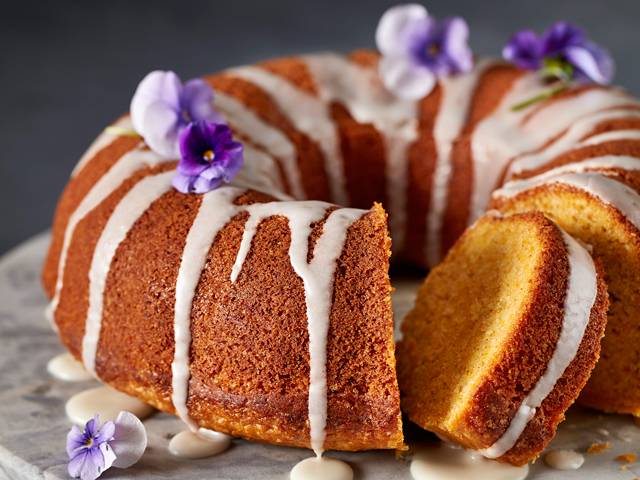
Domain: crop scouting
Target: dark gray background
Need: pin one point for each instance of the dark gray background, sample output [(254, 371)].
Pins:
[(67, 68)]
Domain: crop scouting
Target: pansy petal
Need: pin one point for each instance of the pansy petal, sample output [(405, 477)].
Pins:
[(592, 62), (162, 130), (87, 466), (105, 433), (214, 171), (182, 183), (129, 441), (559, 36), (398, 26), (75, 440), (455, 45), (405, 79), (157, 86), (524, 50), (197, 100), (75, 464), (108, 455), (92, 426), (202, 185)]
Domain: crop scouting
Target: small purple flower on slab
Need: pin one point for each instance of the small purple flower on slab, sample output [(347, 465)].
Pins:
[(563, 52), (162, 107), (417, 49), (98, 447), (209, 157), (89, 451)]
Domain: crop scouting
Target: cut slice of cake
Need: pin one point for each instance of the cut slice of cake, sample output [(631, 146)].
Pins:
[(603, 210), (503, 337)]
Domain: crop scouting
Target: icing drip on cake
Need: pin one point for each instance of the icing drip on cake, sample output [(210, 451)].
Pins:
[(610, 191), (607, 162), (106, 402), (317, 277), (66, 368), (260, 173), (360, 91), (121, 170), (216, 210), (457, 93), (612, 137), (582, 289), (126, 213), (506, 134), (309, 115), (247, 124), (574, 137), (103, 140)]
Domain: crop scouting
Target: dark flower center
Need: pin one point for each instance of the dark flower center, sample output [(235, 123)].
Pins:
[(209, 156), (433, 49), (88, 442)]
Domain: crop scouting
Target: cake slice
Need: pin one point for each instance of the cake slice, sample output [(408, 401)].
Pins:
[(503, 337), (601, 208), (262, 319)]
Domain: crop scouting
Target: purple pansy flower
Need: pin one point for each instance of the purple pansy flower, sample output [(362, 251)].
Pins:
[(89, 451), (209, 157), (416, 49), (162, 107), (564, 52), (96, 448)]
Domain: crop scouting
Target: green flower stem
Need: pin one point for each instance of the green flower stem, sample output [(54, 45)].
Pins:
[(121, 132), (550, 92)]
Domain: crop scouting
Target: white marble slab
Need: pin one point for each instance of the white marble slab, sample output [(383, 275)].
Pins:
[(33, 426)]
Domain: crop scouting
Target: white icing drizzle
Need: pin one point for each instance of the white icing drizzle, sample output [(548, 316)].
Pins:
[(449, 462), (612, 136), (582, 289), (573, 138), (260, 172), (248, 124), (457, 93), (103, 141), (359, 89), (310, 116), (106, 402), (506, 134), (66, 368), (317, 277), (126, 213), (321, 468), (200, 444), (118, 173), (564, 459), (606, 162), (216, 210), (611, 192)]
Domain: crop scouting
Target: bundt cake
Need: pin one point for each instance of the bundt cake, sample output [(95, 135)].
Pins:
[(503, 336), (597, 201), (218, 306)]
